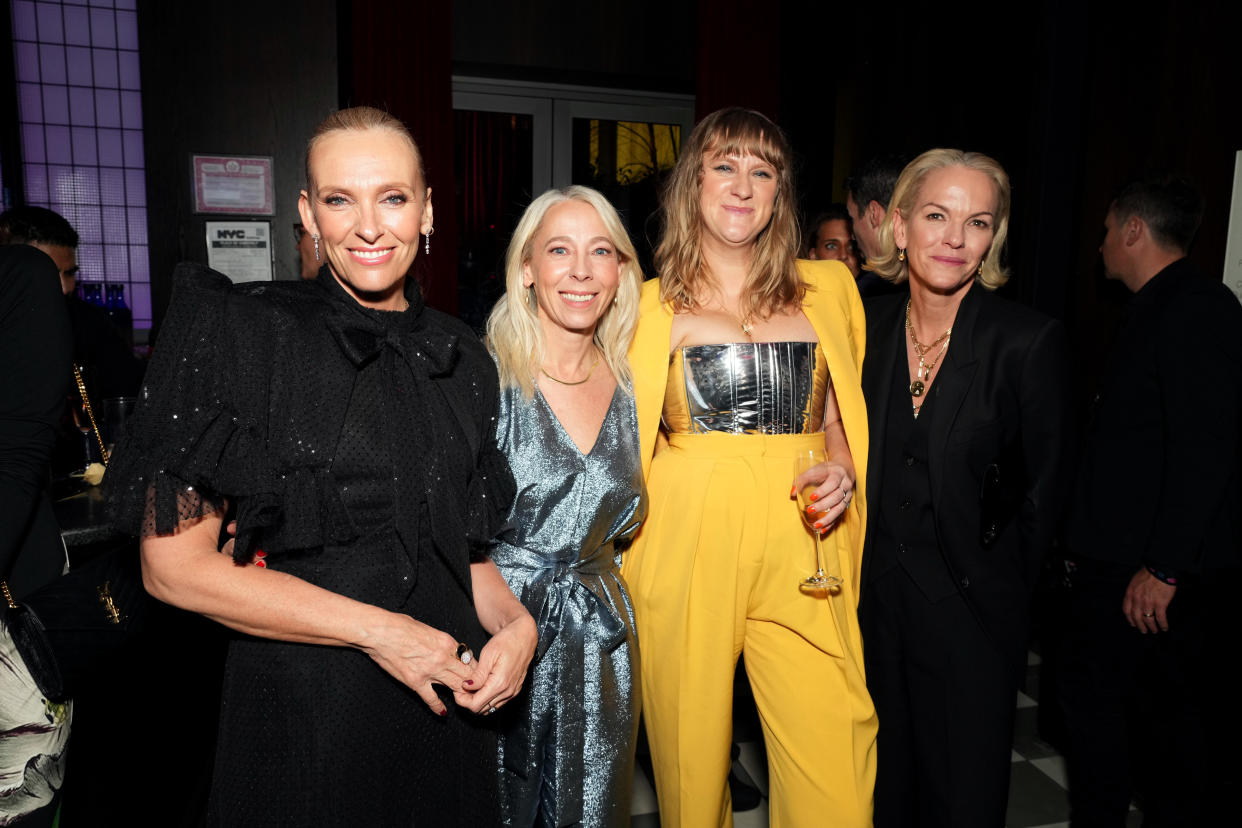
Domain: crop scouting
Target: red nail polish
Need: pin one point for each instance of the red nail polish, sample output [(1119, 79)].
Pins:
[(444, 712), (469, 682), (814, 497), (259, 553), (261, 563)]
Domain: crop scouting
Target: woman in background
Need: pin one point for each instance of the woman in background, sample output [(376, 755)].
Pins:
[(748, 360), (567, 426)]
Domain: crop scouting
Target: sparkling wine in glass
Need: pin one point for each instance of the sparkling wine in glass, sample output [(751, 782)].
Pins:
[(820, 580)]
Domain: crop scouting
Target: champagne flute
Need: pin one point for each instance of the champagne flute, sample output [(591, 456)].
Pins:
[(803, 462)]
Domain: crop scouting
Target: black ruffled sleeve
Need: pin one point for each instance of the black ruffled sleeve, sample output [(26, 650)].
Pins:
[(187, 448)]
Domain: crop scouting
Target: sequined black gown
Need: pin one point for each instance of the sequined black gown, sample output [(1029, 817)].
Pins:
[(358, 449)]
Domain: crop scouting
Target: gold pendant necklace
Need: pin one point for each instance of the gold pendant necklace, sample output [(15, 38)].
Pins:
[(923, 372)]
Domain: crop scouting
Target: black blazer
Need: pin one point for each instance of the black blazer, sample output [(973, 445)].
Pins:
[(997, 447)]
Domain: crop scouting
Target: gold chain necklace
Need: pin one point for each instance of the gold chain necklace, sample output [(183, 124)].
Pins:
[(544, 371), (924, 371)]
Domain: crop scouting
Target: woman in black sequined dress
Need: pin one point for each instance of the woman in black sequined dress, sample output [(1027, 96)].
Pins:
[(352, 430)]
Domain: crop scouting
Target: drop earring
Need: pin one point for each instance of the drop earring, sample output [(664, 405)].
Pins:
[(427, 237), (901, 255), (316, 238)]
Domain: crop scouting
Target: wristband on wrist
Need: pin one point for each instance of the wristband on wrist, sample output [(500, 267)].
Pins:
[(1163, 576)]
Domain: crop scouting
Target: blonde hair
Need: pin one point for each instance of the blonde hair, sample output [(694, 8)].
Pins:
[(360, 119), (773, 282), (514, 333), (991, 273)]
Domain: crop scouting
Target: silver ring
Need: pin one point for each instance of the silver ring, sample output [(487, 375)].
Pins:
[(491, 710), (464, 654)]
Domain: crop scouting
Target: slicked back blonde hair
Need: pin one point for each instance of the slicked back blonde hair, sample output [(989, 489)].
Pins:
[(773, 282), (906, 198), (361, 119), (513, 330)]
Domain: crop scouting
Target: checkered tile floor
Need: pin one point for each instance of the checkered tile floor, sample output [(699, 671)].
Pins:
[(1037, 788)]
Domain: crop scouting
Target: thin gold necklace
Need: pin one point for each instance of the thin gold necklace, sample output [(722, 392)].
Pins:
[(544, 371), (924, 371)]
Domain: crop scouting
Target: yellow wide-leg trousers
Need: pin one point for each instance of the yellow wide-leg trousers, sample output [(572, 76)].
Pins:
[(715, 572)]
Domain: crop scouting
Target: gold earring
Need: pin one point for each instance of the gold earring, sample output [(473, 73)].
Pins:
[(901, 255)]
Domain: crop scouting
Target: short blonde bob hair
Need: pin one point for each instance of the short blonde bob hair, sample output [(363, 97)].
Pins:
[(514, 333), (773, 282), (991, 274)]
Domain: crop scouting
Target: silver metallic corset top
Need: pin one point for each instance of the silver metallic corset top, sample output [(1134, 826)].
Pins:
[(746, 388)]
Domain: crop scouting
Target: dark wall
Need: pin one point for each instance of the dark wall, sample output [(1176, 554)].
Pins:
[(640, 44), (229, 77)]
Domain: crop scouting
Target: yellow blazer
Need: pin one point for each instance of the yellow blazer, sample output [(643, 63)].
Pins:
[(834, 308)]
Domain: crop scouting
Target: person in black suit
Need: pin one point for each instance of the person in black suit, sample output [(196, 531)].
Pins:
[(35, 350), (1155, 535), (967, 406)]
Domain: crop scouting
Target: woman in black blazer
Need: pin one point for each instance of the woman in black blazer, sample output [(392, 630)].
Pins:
[(967, 406)]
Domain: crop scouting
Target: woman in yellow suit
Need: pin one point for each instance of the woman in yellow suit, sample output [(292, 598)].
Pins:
[(744, 359)]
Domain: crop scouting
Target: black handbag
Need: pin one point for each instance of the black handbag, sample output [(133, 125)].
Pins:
[(65, 630)]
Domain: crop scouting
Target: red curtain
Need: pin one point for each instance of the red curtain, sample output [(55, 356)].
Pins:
[(398, 56)]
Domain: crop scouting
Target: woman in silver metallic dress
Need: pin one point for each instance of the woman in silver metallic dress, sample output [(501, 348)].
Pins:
[(567, 425), (743, 361)]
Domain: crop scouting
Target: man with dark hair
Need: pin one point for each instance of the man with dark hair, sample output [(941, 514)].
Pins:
[(868, 190), (98, 346), (48, 231), (1155, 533)]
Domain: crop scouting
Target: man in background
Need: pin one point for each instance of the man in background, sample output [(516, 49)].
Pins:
[(829, 237), (102, 350), (868, 190), (1155, 535)]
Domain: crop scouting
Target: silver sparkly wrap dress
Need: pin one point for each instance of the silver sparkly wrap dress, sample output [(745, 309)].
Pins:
[(567, 741)]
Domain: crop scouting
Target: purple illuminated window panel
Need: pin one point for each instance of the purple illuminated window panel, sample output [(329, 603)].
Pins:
[(84, 147), (105, 68), (107, 108), (35, 176), (77, 26), (130, 77), (24, 20), (110, 152), (52, 63), (27, 57), (111, 187), (30, 101), (59, 150), (103, 28), (131, 109), (137, 225), (81, 106), (132, 138), (50, 25), (80, 70), (55, 104), (136, 188), (34, 151)]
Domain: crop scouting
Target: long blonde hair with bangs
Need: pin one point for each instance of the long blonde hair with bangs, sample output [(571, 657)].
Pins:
[(991, 274), (685, 280), (514, 332)]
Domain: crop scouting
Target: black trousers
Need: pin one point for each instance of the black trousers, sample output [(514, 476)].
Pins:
[(945, 698), (1147, 716)]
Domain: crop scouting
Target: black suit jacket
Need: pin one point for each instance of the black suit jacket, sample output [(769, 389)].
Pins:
[(1160, 481), (999, 424), (35, 350)]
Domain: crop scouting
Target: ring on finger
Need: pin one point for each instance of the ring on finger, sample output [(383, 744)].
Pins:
[(464, 654), (1149, 615)]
